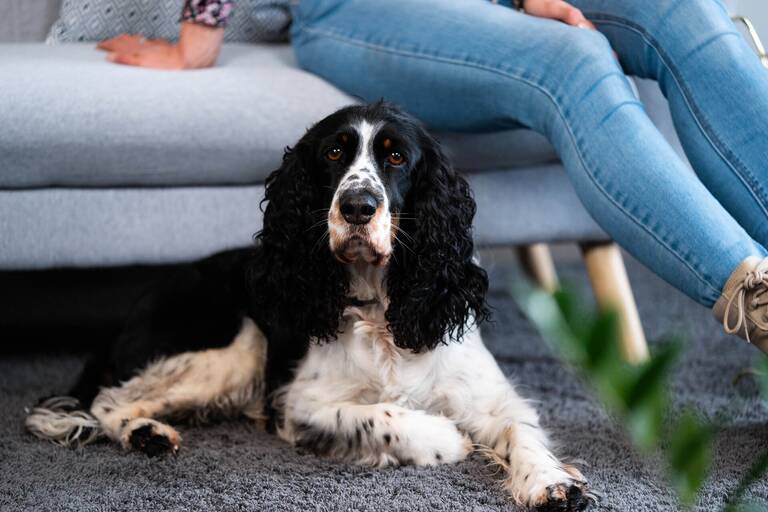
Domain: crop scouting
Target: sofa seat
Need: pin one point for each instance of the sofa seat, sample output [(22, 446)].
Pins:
[(71, 119)]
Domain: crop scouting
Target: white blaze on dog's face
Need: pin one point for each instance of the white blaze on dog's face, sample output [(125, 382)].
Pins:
[(370, 167)]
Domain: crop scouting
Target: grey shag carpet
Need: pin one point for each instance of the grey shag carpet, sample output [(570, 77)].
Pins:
[(233, 466)]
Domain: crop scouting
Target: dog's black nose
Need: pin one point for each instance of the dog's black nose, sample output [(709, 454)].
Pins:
[(358, 207)]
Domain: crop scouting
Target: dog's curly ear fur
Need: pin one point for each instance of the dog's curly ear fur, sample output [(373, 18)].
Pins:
[(301, 285), (435, 288)]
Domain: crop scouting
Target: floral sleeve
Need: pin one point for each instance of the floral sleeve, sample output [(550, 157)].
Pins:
[(213, 13)]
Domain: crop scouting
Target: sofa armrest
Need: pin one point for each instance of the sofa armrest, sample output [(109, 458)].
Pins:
[(755, 37)]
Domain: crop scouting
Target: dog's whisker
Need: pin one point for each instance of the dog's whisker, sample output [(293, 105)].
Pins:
[(403, 232), (316, 224), (320, 240), (405, 245)]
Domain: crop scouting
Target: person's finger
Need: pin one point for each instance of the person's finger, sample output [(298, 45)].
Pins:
[(558, 10), (110, 43), (148, 58), (565, 12), (122, 43), (586, 24), (127, 59), (106, 45), (578, 20)]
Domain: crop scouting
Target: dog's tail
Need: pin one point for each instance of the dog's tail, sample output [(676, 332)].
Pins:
[(62, 420)]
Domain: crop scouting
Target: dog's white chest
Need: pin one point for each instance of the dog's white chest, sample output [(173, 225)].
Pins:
[(365, 354), (371, 349)]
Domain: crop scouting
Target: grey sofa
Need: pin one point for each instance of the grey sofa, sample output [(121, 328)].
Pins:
[(109, 166)]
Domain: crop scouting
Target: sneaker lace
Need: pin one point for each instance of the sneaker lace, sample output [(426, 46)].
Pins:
[(757, 280)]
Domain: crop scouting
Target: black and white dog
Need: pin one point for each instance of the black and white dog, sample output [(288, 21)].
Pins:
[(350, 327)]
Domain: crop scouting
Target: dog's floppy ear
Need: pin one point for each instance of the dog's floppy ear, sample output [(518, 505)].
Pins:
[(300, 285), (435, 288)]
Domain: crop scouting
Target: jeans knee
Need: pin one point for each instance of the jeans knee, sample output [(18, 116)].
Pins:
[(587, 60), (586, 87), (585, 51)]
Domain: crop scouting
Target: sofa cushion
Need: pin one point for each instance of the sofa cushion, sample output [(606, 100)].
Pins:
[(94, 20), (72, 119)]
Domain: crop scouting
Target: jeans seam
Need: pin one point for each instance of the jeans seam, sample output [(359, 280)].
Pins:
[(737, 167), (552, 99)]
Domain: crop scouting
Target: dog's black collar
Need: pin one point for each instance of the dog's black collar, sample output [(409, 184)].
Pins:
[(358, 303)]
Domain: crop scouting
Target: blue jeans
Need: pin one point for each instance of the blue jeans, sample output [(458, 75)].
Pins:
[(471, 65)]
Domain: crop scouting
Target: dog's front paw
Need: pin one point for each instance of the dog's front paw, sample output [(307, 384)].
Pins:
[(568, 493), (150, 437), (432, 440), (568, 496)]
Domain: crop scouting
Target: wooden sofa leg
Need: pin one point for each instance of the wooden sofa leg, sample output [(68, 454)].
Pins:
[(538, 265), (610, 283)]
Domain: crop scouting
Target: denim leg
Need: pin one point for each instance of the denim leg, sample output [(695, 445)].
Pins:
[(717, 90), (472, 65)]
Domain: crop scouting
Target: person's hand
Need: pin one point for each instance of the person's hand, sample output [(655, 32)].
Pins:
[(135, 50), (557, 10), (198, 47)]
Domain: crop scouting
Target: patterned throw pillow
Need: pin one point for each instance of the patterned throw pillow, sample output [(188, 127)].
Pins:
[(94, 20)]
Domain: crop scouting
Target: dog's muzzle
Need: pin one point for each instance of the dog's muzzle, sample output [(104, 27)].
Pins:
[(359, 229), (358, 206)]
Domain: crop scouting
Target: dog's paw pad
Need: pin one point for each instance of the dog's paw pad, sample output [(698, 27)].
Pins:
[(148, 440), (569, 496)]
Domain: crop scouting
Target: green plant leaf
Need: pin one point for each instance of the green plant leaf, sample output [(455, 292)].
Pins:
[(544, 311), (690, 455), (652, 376), (601, 341), (762, 376), (577, 319), (646, 397)]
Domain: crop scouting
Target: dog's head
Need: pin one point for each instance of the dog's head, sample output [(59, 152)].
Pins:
[(369, 160), (369, 186)]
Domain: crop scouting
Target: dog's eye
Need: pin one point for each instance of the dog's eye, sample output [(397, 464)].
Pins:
[(334, 154), (395, 158)]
